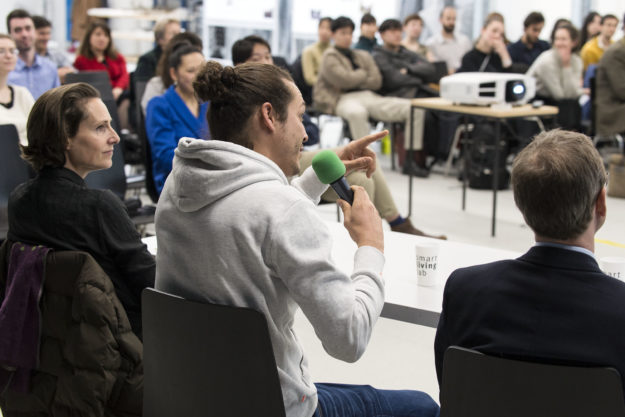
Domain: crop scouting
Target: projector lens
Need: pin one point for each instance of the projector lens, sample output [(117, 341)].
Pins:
[(515, 90)]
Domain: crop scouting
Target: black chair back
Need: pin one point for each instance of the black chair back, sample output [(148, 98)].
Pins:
[(14, 171), (475, 385), (205, 359), (150, 186)]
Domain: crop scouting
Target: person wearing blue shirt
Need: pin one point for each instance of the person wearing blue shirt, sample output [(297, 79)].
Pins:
[(525, 51), (177, 113), (36, 73)]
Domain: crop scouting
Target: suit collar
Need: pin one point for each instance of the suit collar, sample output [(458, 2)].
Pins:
[(560, 258)]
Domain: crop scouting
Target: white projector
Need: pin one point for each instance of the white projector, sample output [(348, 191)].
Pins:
[(484, 88)]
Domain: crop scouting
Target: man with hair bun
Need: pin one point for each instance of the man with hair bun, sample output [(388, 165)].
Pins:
[(232, 230), (552, 304)]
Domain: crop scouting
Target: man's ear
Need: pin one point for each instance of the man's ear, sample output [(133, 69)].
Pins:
[(268, 117)]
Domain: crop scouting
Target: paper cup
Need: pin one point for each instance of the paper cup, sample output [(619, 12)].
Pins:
[(427, 262), (613, 266)]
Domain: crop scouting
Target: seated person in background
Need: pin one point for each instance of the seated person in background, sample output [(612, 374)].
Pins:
[(404, 72), (32, 71), (345, 87), (164, 31), (552, 304), (490, 53), (368, 28), (593, 49), (530, 46), (69, 136), (177, 113), (559, 22), (375, 185), (97, 53), (15, 101), (311, 57), (590, 28), (448, 45), (610, 87), (251, 239), (156, 85), (43, 34), (413, 26), (558, 71)]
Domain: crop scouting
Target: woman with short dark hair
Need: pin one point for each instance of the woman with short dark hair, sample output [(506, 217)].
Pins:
[(70, 135)]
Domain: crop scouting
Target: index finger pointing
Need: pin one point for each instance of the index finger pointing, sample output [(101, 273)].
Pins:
[(369, 139)]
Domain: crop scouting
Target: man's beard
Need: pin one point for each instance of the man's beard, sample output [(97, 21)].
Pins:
[(449, 28)]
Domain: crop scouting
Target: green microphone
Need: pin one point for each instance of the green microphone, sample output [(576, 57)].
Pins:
[(330, 170)]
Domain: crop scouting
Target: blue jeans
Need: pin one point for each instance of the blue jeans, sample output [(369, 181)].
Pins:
[(339, 400)]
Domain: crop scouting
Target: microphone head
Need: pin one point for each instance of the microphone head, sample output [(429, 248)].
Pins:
[(328, 166)]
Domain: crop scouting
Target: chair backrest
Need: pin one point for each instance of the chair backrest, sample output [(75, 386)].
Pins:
[(14, 171), (150, 186), (113, 178), (205, 359), (475, 384)]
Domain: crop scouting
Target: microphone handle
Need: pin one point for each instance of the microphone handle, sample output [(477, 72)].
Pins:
[(342, 189)]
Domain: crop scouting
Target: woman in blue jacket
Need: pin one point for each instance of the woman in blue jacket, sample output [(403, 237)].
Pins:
[(177, 113)]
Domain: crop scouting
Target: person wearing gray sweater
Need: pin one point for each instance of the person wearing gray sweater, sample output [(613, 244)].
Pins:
[(558, 71), (232, 230)]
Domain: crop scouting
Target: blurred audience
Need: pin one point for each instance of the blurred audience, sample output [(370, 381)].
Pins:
[(164, 31), (593, 49), (404, 72), (530, 46), (449, 45), (490, 53), (610, 88), (97, 53), (368, 29), (346, 86), (15, 101), (590, 28), (311, 57), (43, 34), (32, 71), (558, 71), (413, 26)]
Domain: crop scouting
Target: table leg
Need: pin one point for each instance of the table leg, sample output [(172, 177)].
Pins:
[(408, 160), (496, 174), (466, 156)]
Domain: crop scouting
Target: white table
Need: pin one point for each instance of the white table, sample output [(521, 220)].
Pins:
[(405, 300)]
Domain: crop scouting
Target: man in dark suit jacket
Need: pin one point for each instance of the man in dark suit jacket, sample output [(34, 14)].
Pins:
[(552, 304)]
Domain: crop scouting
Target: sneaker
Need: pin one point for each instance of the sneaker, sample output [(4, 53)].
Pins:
[(407, 227), (417, 171)]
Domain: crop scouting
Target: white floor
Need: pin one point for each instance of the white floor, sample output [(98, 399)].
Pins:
[(401, 355)]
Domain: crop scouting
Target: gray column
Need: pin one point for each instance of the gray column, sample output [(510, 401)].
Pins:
[(284, 30)]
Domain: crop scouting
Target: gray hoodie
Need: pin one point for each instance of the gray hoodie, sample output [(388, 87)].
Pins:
[(231, 230)]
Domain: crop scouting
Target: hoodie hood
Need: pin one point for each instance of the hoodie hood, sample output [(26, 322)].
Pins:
[(205, 171)]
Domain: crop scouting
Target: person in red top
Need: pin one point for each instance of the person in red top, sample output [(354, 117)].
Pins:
[(97, 53)]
